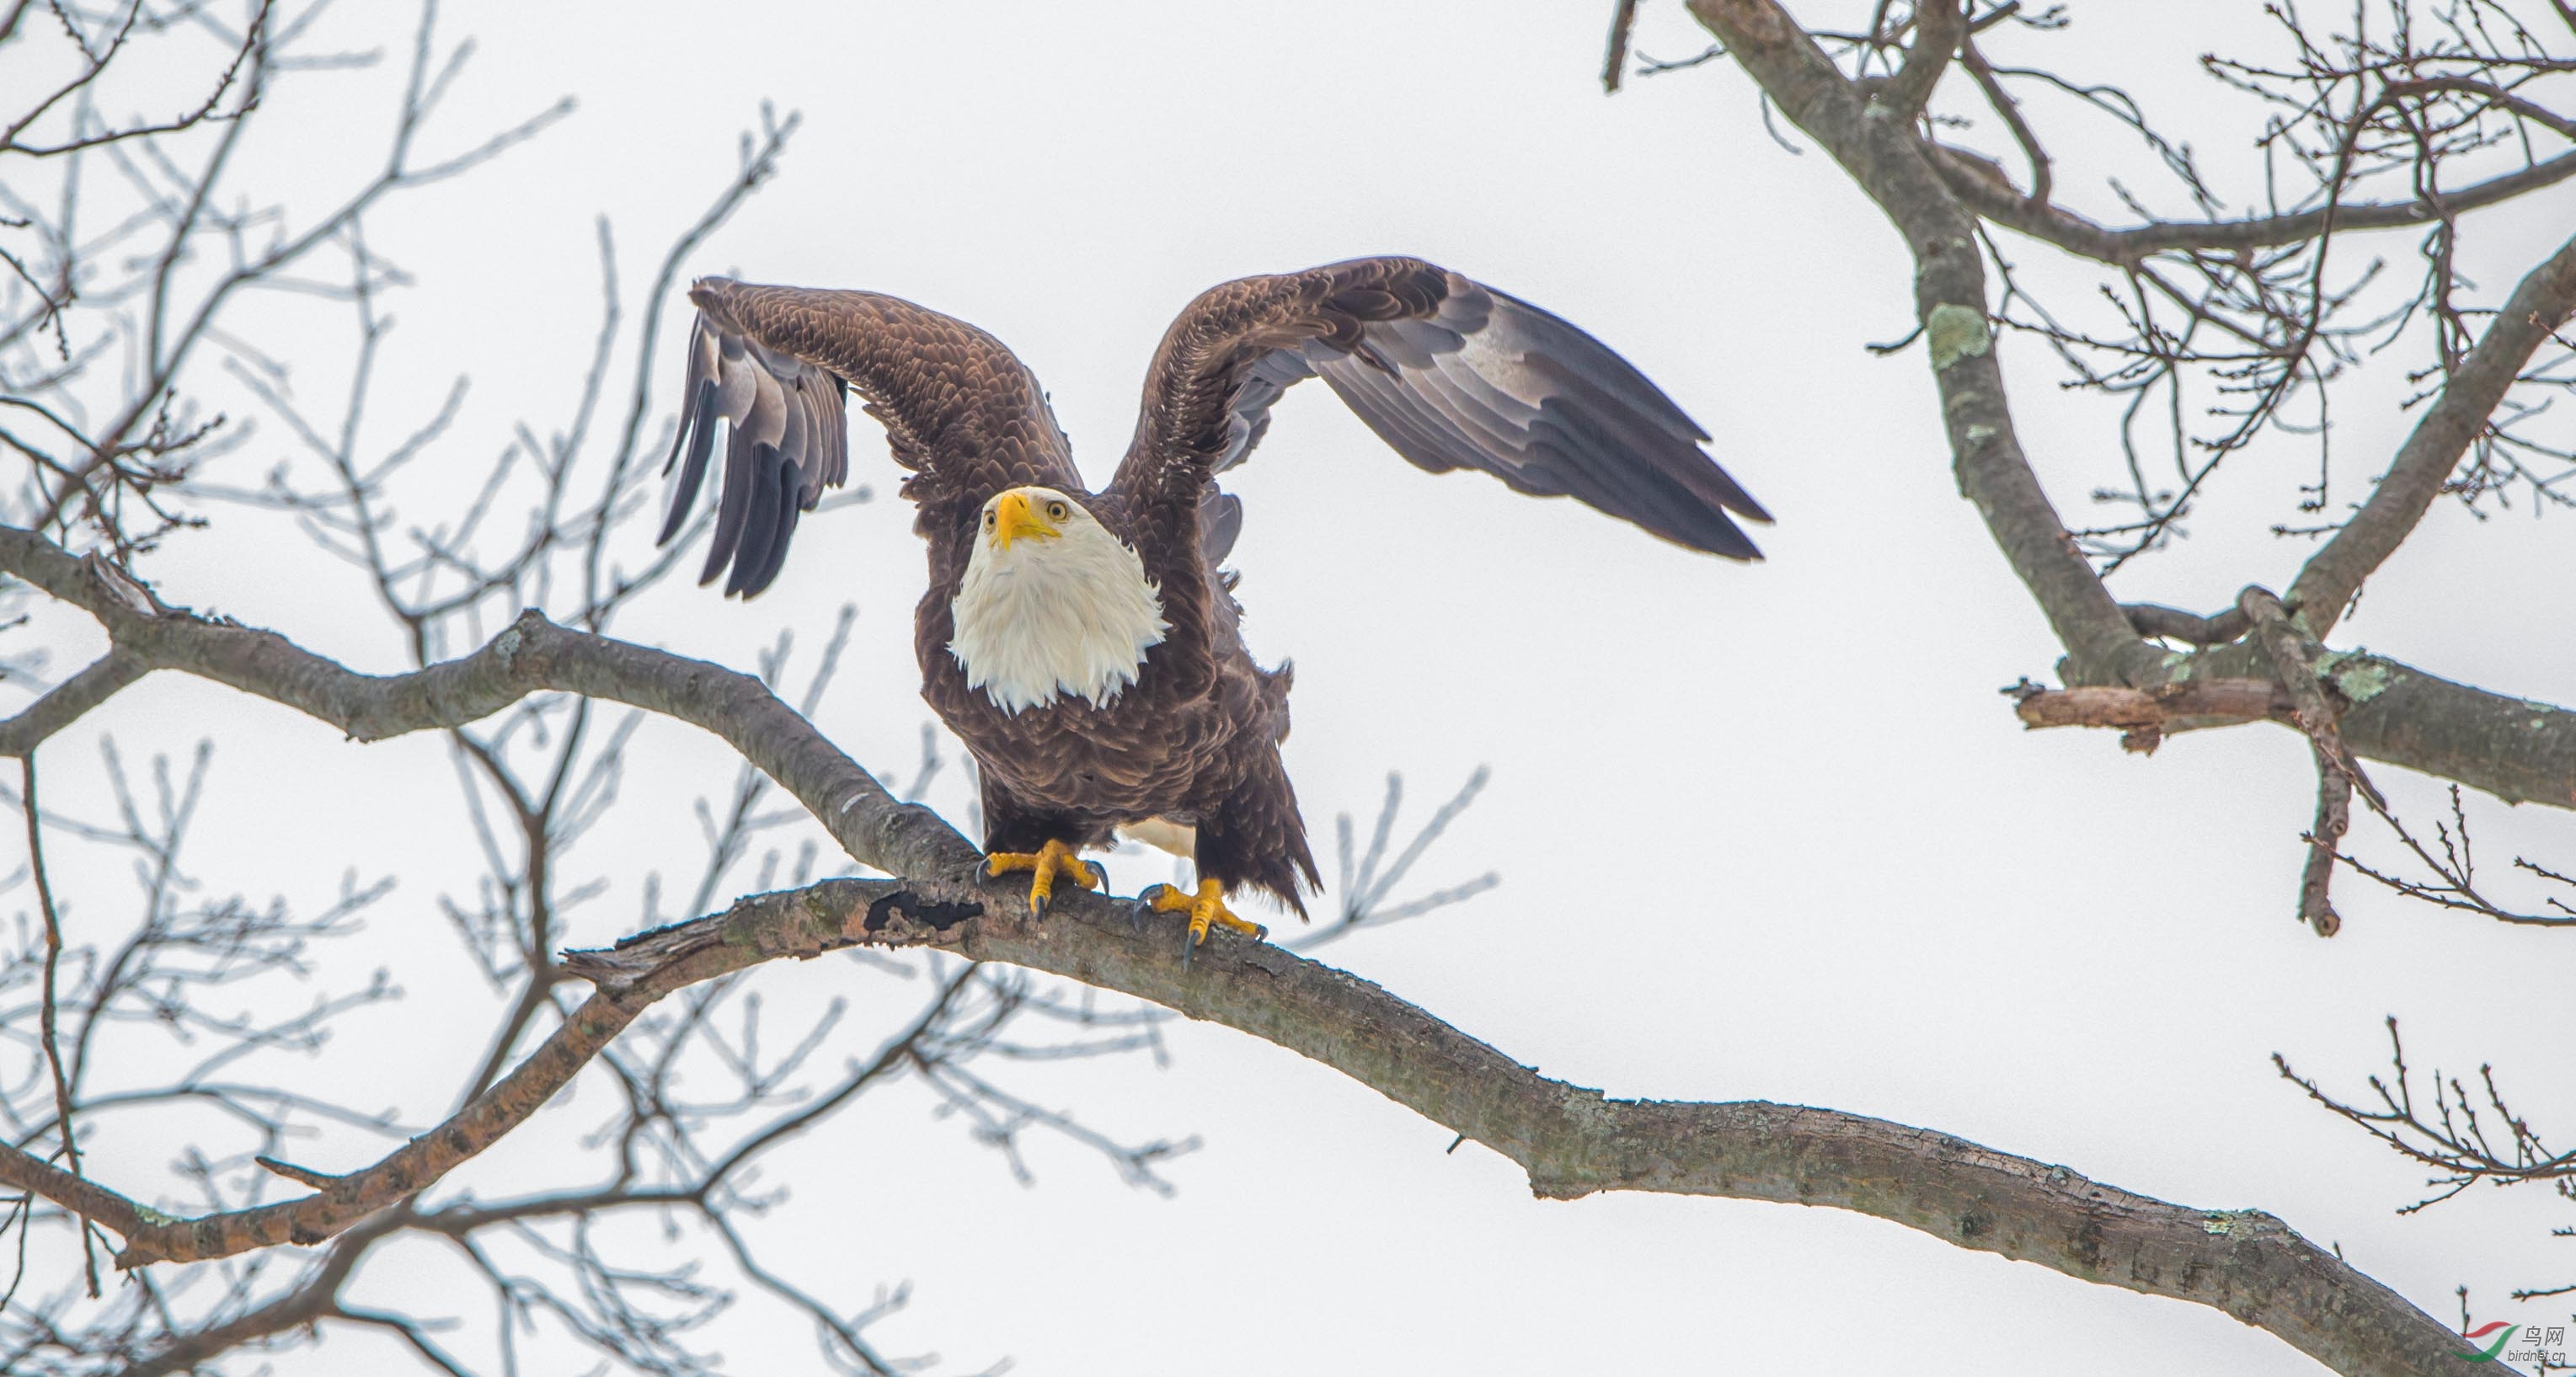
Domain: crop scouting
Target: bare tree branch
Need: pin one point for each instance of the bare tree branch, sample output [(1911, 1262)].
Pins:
[(2279, 327), (533, 655), (540, 757), (2457, 1138), (1614, 63), (2338, 774), (110, 675), (2131, 246), (48, 1014), (1571, 1141), (2541, 304), (1888, 161), (1939, 27)]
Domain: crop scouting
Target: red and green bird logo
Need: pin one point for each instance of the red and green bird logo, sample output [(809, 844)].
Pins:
[(2491, 1327)]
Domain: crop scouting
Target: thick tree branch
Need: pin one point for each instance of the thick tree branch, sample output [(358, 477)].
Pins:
[(1574, 1142), (532, 656), (154, 1237), (2541, 303), (412, 1167), (314, 1298), (1571, 1141), (2517, 749), (758, 929)]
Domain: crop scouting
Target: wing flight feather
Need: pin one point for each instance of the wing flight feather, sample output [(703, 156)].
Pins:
[(1452, 374), (772, 363)]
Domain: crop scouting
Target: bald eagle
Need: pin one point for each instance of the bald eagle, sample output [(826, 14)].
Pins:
[(1085, 646)]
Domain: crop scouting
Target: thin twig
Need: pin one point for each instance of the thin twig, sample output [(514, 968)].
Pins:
[(46, 1018)]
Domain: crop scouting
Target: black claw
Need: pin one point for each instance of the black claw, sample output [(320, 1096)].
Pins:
[(1037, 906), (1144, 910)]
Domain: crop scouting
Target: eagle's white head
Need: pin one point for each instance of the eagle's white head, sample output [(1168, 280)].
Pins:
[(1052, 603)]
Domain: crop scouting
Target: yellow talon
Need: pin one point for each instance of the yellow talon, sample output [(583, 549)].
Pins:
[(1206, 909), (1049, 861)]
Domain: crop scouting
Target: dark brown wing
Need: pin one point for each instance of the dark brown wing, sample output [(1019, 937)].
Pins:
[(959, 410), (1452, 374)]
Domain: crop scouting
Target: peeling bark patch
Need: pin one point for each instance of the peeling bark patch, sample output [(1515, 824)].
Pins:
[(1955, 333), (906, 904)]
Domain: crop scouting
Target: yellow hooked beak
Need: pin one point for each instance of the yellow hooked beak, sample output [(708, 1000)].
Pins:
[(1012, 518)]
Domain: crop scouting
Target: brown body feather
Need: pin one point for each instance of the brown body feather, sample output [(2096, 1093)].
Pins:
[(1452, 374)]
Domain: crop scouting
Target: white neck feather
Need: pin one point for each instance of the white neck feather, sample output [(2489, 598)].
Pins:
[(1039, 618)]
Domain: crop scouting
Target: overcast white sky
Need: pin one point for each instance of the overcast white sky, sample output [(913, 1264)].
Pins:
[(1764, 832)]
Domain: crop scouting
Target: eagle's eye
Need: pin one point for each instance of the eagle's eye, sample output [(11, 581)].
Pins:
[(988, 519), (1055, 511)]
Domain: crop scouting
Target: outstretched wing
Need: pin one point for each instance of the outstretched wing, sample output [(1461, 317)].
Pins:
[(1449, 372), (959, 410)]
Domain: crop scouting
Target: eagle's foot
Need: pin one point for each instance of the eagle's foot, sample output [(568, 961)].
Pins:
[(1051, 862), (1206, 909)]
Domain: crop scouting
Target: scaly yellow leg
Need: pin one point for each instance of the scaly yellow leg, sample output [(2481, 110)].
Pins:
[(1049, 861), (1206, 909)]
